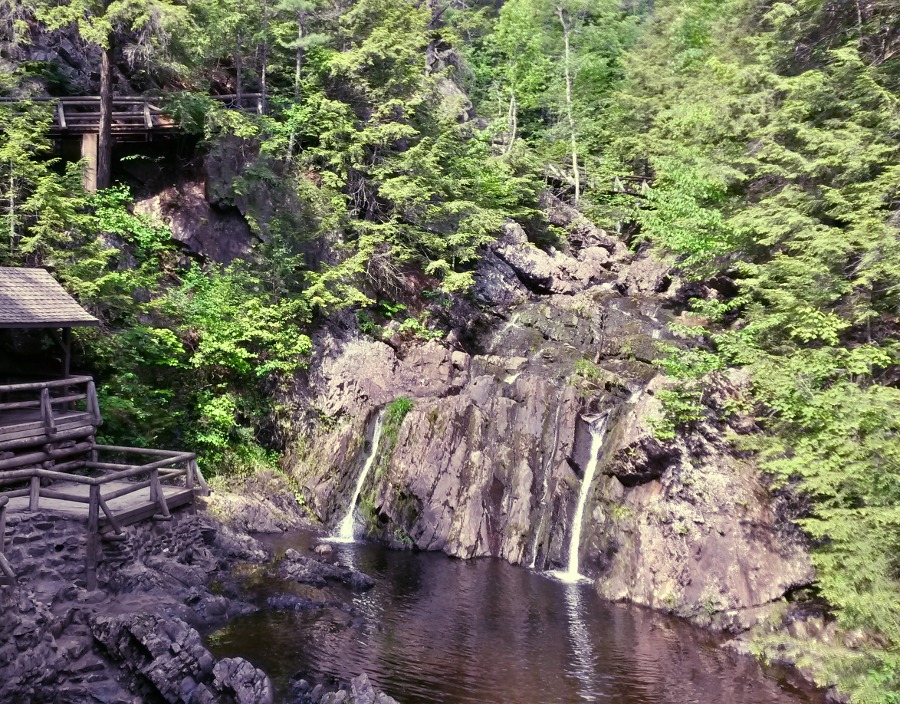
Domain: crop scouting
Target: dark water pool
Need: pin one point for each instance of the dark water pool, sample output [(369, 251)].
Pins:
[(436, 629)]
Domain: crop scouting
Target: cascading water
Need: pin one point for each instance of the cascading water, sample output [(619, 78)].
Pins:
[(345, 527), (598, 435)]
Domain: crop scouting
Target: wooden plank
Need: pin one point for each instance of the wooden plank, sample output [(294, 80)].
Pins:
[(36, 458), (148, 510), (93, 539), (36, 403), (34, 496), (64, 420), (125, 491), (63, 496)]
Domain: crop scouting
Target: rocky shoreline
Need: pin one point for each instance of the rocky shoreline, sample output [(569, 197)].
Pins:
[(137, 638)]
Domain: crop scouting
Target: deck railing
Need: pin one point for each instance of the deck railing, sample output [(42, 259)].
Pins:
[(47, 411), (178, 468), (129, 114)]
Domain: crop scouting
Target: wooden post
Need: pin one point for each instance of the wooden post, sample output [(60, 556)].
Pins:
[(34, 496), (159, 496), (92, 405), (93, 540), (89, 142), (67, 351), (3, 501), (154, 485), (5, 568), (47, 412), (148, 117), (61, 114)]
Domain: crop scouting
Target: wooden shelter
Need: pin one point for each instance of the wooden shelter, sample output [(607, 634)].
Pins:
[(49, 457)]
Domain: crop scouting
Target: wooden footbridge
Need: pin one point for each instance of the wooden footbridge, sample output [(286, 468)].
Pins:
[(131, 118), (49, 458)]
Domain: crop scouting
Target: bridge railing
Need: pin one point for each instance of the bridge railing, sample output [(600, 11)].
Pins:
[(130, 114)]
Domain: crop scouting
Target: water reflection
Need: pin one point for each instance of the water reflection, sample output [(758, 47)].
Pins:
[(436, 629)]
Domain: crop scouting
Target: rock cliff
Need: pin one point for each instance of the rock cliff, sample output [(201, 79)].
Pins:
[(490, 456)]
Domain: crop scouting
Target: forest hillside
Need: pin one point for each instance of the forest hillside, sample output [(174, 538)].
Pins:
[(753, 145)]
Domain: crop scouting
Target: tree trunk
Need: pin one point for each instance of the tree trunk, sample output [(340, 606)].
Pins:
[(104, 137), (12, 209), (299, 62), (238, 61), (512, 122), (567, 61), (264, 50), (298, 66)]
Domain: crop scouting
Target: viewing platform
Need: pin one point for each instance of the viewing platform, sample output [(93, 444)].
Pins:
[(130, 115), (50, 461)]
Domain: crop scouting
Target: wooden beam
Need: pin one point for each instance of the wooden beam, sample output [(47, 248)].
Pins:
[(67, 351), (93, 543), (89, 154), (34, 497), (38, 385)]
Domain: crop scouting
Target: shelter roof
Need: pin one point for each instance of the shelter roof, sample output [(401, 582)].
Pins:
[(32, 298)]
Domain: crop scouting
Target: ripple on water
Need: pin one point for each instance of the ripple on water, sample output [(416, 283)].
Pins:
[(435, 629)]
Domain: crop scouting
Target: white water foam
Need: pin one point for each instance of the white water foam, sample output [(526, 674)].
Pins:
[(345, 527)]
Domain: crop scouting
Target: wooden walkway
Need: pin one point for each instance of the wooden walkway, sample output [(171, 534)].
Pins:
[(50, 462), (128, 509)]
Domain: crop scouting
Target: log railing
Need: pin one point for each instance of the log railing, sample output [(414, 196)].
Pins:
[(47, 411), (129, 115), (5, 568), (179, 468)]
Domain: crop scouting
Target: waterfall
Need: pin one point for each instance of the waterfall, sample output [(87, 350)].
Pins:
[(598, 434), (345, 527)]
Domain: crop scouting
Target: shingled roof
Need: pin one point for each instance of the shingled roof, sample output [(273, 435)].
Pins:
[(31, 298)]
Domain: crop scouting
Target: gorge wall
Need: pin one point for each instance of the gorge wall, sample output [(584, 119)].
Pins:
[(489, 458)]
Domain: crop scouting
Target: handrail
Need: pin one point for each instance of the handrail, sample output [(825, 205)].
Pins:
[(40, 385), (44, 401), (126, 99)]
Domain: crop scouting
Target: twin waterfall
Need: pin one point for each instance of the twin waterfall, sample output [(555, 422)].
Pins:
[(598, 435), (345, 527)]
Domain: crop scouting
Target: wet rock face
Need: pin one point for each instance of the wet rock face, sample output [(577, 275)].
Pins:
[(57, 637), (359, 691), (688, 526), (219, 234), (306, 570), (166, 660), (489, 459)]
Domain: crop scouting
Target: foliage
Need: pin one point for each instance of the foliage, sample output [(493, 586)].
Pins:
[(394, 414), (769, 135), (756, 143)]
